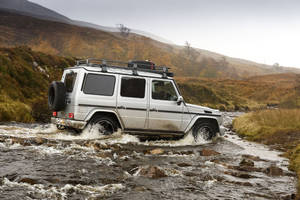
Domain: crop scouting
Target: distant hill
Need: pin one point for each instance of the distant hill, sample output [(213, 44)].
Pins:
[(28, 8), (59, 38)]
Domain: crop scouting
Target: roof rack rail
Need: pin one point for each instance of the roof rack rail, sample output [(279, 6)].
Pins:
[(135, 66)]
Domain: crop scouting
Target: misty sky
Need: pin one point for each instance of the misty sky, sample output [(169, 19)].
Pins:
[(265, 31)]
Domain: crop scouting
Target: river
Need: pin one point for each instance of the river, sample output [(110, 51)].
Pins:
[(39, 162)]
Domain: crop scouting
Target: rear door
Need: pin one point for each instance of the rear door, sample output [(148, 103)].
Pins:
[(164, 113), (132, 102)]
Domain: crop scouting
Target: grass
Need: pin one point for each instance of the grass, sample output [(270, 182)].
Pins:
[(15, 111), (279, 128)]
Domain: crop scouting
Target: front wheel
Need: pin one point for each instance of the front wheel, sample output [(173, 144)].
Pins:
[(103, 125), (204, 130)]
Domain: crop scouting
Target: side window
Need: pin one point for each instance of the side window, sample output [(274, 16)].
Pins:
[(70, 81), (163, 90), (99, 84), (133, 87)]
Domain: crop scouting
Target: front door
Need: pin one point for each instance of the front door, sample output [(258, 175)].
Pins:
[(132, 102), (164, 113)]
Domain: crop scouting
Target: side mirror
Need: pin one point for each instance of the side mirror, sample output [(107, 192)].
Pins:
[(180, 100)]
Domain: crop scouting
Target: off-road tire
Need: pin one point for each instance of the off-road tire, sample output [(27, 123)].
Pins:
[(108, 124), (204, 129), (57, 96)]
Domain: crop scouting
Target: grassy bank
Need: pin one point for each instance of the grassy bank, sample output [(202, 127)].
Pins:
[(279, 128)]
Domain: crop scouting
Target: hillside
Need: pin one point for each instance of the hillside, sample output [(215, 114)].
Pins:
[(68, 40), (279, 90), (29, 8), (25, 76)]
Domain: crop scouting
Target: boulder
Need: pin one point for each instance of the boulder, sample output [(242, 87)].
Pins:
[(273, 170), (152, 172), (184, 164), (28, 181), (246, 162), (208, 152), (39, 141)]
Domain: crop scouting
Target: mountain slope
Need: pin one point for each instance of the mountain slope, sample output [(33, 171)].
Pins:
[(33, 9), (69, 40), (28, 8)]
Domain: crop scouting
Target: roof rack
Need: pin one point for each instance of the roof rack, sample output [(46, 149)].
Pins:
[(135, 66)]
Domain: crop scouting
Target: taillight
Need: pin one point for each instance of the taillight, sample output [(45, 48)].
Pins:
[(71, 115), (54, 114)]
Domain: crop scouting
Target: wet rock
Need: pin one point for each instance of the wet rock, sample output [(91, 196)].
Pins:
[(152, 172), (140, 189), (273, 170), (11, 177), (246, 162), (289, 197), (208, 152), (187, 152), (254, 158), (246, 168), (1, 181), (184, 164), (240, 183), (239, 175), (28, 181), (116, 147), (190, 174), (157, 151), (246, 184), (39, 141)]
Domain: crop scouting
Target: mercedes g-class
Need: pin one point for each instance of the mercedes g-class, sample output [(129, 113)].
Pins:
[(137, 97)]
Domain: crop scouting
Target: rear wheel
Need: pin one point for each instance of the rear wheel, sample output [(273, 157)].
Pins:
[(104, 125), (204, 130)]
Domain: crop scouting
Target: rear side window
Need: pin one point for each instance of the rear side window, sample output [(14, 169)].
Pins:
[(70, 81), (98, 84), (133, 87)]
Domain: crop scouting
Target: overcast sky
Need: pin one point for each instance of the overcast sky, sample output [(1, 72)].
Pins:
[(265, 31)]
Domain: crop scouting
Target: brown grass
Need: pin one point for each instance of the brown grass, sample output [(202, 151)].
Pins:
[(279, 128)]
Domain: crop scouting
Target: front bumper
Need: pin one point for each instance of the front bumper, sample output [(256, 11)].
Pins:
[(68, 123)]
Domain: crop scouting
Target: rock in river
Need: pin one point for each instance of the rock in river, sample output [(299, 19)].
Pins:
[(152, 172), (208, 152)]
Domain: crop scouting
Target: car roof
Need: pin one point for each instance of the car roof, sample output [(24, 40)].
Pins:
[(120, 70)]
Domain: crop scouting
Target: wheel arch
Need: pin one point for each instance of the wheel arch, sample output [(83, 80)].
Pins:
[(196, 119), (109, 113)]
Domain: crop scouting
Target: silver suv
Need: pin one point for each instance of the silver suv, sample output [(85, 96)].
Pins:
[(137, 97)]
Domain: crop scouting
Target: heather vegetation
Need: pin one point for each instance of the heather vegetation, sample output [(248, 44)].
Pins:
[(279, 90), (24, 79), (279, 128)]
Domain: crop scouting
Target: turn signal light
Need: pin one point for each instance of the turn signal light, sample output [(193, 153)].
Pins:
[(54, 114), (71, 115)]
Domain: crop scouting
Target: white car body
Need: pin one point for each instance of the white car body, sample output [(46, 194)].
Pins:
[(144, 115)]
